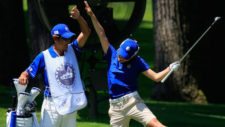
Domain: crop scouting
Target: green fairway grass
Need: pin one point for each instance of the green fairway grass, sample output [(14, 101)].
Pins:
[(173, 114)]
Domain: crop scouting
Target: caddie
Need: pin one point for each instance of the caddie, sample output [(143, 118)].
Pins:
[(64, 93)]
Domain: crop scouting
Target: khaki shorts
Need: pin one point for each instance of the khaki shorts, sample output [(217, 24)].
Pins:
[(128, 107)]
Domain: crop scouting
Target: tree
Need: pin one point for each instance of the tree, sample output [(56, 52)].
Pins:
[(172, 29), (38, 33)]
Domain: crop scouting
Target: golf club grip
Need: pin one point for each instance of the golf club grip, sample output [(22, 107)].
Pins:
[(164, 79)]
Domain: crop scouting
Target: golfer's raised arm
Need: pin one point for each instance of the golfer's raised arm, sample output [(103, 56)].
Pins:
[(85, 30), (98, 28)]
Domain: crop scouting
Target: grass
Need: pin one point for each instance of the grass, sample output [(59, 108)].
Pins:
[(173, 114)]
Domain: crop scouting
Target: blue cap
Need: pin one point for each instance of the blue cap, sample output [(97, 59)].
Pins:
[(128, 48), (62, 30)]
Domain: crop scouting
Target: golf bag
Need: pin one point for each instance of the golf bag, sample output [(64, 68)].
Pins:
[(23, 114)]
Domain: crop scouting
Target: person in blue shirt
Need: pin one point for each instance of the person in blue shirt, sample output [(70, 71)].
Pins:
[(59, 67), (124, 66)]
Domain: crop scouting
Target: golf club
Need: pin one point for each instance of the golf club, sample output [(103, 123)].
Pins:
[(19, 88), (22, 100), (34, 93), (170, 72)]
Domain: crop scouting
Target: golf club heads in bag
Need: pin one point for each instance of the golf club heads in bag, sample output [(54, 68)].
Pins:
[(22, 100), (19, 88), (30, 106), (18, 118), (24, 114), (28, 118), (34, 92)]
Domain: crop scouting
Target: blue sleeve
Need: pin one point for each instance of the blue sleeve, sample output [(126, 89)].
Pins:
[(143, 64), (36, 66), (111, 52), (76, 48)]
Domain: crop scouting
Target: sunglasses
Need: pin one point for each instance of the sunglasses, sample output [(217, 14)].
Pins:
[(65, 39)]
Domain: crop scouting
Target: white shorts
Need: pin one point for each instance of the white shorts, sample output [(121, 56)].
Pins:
[(51, 118)]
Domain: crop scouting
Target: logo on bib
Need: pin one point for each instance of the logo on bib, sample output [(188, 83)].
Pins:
[(65, 75)]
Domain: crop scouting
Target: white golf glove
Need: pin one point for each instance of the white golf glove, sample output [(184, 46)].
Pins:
[(175, 65)]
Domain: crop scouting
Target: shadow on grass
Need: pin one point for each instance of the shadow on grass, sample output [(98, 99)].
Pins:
[(188, 115)]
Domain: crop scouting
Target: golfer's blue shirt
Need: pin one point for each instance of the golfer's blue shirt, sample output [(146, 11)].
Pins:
[(122, 78), (38, 65)]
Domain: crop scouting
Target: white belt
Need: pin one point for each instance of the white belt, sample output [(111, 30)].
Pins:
[(125, 97)]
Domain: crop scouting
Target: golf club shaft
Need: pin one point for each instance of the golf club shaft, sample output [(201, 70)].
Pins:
[(189, 50), (167, 75), (170, 72)]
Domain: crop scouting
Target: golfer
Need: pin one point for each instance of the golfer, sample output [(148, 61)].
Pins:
[(124, 66), (59, 67)]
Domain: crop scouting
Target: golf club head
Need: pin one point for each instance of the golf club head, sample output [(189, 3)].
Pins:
[(19, 88), (34, 92), (217, 18), (22, 100)]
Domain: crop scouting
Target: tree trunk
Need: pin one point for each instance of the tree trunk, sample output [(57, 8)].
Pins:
[(39, 34), (171, 27)]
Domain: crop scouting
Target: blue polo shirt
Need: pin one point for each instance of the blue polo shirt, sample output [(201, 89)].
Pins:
[(38, 65), (122, 77)]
